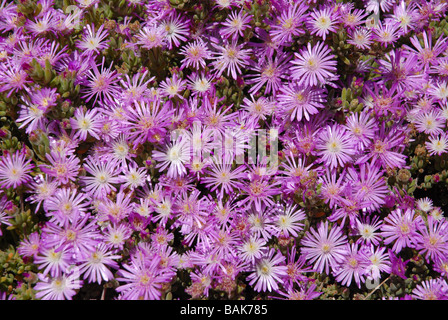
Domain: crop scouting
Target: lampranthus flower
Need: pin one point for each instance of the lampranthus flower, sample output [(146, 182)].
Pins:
[(314, 65), (400, 228), (335, 146), (433, 289), (15, 169), (324, 247), (61, 287), (269, 271)]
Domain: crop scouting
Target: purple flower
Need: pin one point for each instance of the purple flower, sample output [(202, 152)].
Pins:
[(314, 65), (269, 271), (400, 228), (335, 146), (323, 247), (15, 169), (62, 287), (433, 289), (143, 278), (431, 239), (352, 266)]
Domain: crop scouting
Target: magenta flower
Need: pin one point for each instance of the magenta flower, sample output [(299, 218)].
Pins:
[(15, 169), (324, 247), (400, 228), (335, 146), (62, 287), (431, 239), (300, 101), (352, 267), (268, 272), (143, 278), (230, 58), (314, 65), (433, 289), (289, 23), (95, 266)]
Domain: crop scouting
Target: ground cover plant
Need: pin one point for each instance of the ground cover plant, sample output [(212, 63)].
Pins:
[(223, 149)]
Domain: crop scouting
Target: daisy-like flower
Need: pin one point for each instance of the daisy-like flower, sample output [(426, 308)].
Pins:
[(386, 33), (65, 204), (258, 108), (222, 177), (378, 261), (368, 230), (230, 58), (62, 166), (289, 23), (314, 65), (252, 249), (85, 122), (353, 266), (437, 145), (386, 148), (362, 128), (424, 204), (41, 188), (335, 146), (62, 287), (13, 77), (31, 117), (406, 15), (102, 84), (135, 88), (287, 221), (432, 239), (235, 24), (269, 73), (115, 235), (103, 176), (369, 184), (151, 36), (147, 122), (134, 177), (431, 122), (332, 187), (300, 101), (30, 246), (439, 90), (323, 21), (352, 19), (143, 278), (174, 157), (360, 37), (95, 266), (401, 227), (269, 271), (259, 191), (323, 247), (195, 54), (201, 84), (427, 53), (93, 42), (432, 289), (15, 169), (173, 87), (176, 28), (55, 262)]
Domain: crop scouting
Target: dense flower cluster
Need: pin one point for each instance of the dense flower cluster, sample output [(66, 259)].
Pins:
[(223, 149)]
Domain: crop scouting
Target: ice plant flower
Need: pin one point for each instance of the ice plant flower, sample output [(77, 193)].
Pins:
[(324, 247), (269, 271), (314, 65), (15, 169)]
